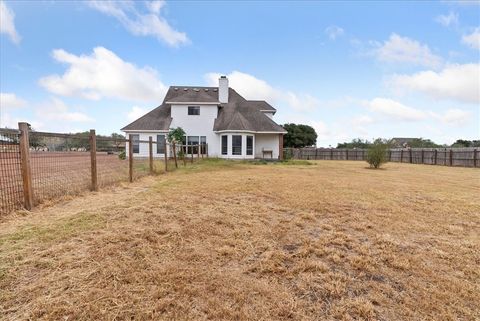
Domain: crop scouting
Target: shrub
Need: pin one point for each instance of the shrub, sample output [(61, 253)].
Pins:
[(377, 154), (122, 155)]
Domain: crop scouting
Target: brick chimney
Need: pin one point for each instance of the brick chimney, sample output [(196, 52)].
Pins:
[(223, 89)]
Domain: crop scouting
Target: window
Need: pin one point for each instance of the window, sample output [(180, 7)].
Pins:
[(194, 110), (203, 145), (236, 144), (160, 144), (224, 145), (135, 143), (193, 144), (249, 145)]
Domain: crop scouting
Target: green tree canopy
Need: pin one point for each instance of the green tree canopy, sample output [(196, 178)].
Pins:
[(299, 135)]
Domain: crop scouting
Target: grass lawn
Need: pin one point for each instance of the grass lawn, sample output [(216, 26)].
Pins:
[(234, 241)]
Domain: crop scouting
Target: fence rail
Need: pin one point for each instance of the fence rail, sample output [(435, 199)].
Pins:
[(37, 166), (463, 157)]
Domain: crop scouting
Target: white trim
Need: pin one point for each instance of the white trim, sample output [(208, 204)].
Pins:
[(196, 103), (247, 131), (144, 131)]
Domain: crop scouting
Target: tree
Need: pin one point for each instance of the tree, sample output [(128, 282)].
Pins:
[(422, 143), (466, 143), (377, 153), (299, 136), (176, 135), (355, 143)]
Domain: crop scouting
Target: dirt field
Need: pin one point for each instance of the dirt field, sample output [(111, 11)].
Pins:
[(229, 241)]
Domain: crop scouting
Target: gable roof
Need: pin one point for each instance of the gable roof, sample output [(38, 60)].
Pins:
[(238, 114)]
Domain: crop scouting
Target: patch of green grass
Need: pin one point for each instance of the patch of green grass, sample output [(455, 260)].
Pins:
[(294, 162), (60, 229)]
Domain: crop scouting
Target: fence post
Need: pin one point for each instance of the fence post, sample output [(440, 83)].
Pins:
[(165, 154), (474, 158), (174, 154), (25, 165), (93, 159), (389, 155), (331, 153), (150, 154), (346, 154), (316, 153), (202, 149), (423, 154), (435, 157), (130, 158), (410, 156), (198, 151), (191, 153), (451, 157), (184, 151), (401, 156), (206, 149)]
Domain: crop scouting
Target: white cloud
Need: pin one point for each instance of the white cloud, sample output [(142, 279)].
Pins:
[(472, 40), (448, 20), (150, 23), (334, 32), (7, 23), (454, 116), (362, 120), (57, 110), (103, 74), (457, 82), (398, 49), (10, 101), (253, 88), (395, 110), (136, 112)]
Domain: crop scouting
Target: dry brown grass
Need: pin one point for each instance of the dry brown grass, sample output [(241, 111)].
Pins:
[(243, 242)]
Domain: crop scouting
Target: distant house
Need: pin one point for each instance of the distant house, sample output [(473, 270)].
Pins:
[(401, 142), (232, 126)]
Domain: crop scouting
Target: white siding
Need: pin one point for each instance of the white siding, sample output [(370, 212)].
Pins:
[(143, 151), (198, 125), (268, 142)]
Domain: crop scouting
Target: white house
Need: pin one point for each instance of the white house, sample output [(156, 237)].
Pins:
[(231, 126)]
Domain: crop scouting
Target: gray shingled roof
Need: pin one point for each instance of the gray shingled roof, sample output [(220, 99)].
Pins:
[(237, 114)]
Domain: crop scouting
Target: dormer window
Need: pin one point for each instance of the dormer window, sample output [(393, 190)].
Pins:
[(194, 110)]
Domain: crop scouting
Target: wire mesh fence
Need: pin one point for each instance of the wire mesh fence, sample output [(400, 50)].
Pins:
[(11, 185), (464, 157), (37, 166)]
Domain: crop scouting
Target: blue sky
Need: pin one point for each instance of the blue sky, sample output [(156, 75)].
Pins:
[(349, 69)]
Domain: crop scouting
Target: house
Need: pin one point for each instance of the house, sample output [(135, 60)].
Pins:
[(216, 117)]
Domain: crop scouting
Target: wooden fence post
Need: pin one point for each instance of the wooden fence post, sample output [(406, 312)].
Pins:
[(389, 155), (191, 153), (25, 166), (130, 158), (165, 154), (423, 156), (198, 151), (451, 157), (184, 151), (401, 156), (410, 156), (203, 150), (331, 153), (316, 153), (93, 159), (206, 149), (174, 154), (435, 157), (150, 154), (346, 154), (474, 158)]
